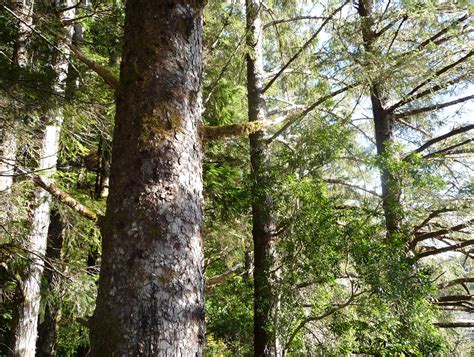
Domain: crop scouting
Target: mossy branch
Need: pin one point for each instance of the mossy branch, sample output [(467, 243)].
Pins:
[(103, 72), (233, 130), (60, 195)]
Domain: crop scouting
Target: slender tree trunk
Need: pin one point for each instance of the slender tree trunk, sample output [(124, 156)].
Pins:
[(263, 221), (48, 329), (25, 319), (24, 10), (150, 300), (384, 126)]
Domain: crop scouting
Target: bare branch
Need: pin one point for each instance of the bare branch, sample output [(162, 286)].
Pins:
[(447, 150), (424, 236), (454, 324), (442, 32), (292, 19), (433, 141), (458, 281), (218, 279), (433, 107), (444, 249), (341, 182)]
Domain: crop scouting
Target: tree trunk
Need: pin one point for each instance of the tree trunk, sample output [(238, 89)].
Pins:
[(384, 124), (263, 221), (25, 318), (24, 10), (151, 286), (48, 329)]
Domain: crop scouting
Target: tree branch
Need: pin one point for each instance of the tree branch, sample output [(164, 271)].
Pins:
[(446, 150), (300, 114), (341, 182), (433, 141), (455, 324), (218, 279), (424, 236), (60, 195), (103, 72), (302, 48), (292, 19), (433, 107), (445, 249), (458, 281), (425, 82)]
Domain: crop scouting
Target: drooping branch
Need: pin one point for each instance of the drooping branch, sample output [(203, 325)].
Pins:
[(449, 248), (433, 141), (455, 298), (103, 72), (443, 70), (433, 107), (302, 48)]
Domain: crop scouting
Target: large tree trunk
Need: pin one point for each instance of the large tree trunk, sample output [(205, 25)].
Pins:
[(48, 329), (384, 126), (263, 221), (150, 299), (25, 319)]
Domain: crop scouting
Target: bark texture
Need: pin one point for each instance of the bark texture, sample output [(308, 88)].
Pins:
[(150, 300), (25, 319), (384, 121), (24, 11), (48, 329), (263, 221)]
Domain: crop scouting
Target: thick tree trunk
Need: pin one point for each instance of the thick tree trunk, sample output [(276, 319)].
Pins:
[(384, 126), (48, 329), (150, 300), (25, 320), (263, 221)]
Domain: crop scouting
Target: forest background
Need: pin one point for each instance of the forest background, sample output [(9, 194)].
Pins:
[(342, 226)]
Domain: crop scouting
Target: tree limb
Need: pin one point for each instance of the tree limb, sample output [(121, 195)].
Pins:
[(292, 19), (433, 141), (454, 324), (424, 236), (103, 72), (446, 150), (458, 281), (444, 249), (218, 279), (410, 94), (433, 107), (60, 195)]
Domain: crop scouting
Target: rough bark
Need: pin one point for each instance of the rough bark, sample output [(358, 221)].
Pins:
[(151, 286), (25, 320), (263, 221), (48, 328), (24, 10), (384, 121)]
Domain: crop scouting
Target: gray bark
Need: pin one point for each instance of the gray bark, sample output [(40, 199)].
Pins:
[(25, 320), (150, 300), (263, 221)]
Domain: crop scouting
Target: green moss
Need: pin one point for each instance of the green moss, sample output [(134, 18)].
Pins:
[(163, 122)]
